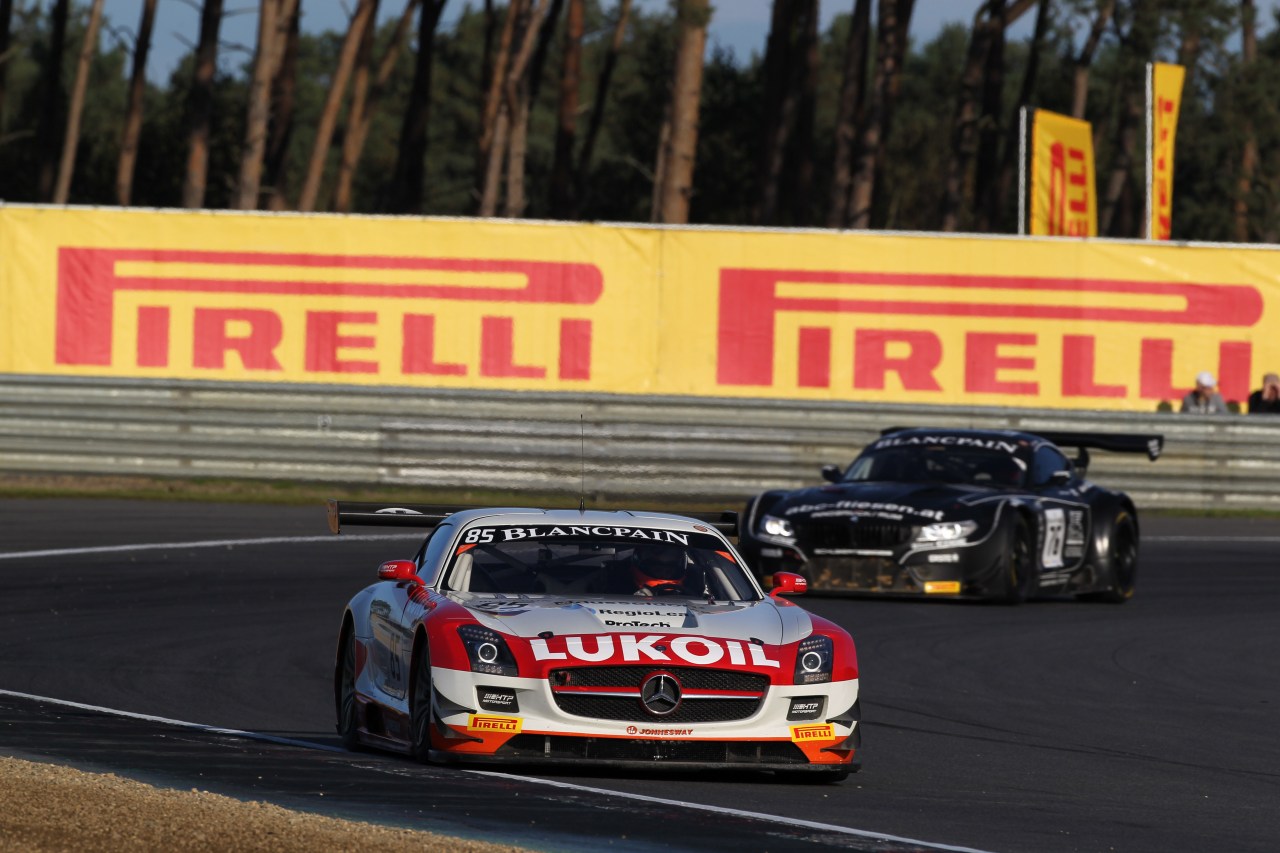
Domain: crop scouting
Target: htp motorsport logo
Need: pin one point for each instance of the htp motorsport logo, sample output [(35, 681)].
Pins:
[(400, 297), (1009, 323)]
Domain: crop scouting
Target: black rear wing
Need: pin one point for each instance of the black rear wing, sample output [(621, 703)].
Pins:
[(1117, 442), (426, 516), (387, 514)]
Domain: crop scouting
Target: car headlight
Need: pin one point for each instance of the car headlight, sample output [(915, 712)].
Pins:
[(775, 526), (487, 651), (946, 531), (814, 660)]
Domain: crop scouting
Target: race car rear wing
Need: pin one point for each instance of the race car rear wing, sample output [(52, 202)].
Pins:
[(390, 515), (1116, 442), (1152, 445), (429, 515)]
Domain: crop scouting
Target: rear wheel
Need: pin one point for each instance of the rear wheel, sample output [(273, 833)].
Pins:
[(348, 729), (420, 705), (1122, 562), (1019, 564)]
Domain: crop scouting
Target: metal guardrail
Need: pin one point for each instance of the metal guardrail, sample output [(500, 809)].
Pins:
[(618, 446)]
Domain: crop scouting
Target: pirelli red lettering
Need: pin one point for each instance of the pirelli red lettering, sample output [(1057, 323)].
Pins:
[(996, 360), (335, 341)]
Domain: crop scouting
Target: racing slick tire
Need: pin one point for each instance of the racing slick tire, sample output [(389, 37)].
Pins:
[(420, 711), (348, 723), (1018, 564), (1122, 562)]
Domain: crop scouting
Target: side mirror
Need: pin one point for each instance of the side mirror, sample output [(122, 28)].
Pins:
[(788, 583), (831, 473), (1059, 478), (400, 570)]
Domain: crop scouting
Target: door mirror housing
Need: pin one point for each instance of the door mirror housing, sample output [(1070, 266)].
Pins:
[(1060, 478), (789, 583), (400, 571), (831, 473)]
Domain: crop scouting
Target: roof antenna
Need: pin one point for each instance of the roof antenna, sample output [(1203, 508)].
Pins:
[(582, 463)]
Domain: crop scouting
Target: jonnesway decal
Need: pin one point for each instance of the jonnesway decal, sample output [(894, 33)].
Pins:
[(699, 651)]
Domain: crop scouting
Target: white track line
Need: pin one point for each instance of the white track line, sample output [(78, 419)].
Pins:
[(208, 543), (779, 819), (214, 730)]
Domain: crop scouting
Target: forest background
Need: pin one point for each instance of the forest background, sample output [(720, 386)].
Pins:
[(617, 111)]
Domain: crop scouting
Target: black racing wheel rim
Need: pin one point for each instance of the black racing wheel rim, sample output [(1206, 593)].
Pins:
[(422, 705)]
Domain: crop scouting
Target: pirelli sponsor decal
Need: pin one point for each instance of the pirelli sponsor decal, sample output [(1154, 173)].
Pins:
[(812, 732), (324, 315), (494, 725)]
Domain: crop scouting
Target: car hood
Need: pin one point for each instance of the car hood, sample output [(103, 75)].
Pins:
[(914, 502), (533, 616)]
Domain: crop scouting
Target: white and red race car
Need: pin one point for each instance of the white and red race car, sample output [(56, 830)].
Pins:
[(618, 638)]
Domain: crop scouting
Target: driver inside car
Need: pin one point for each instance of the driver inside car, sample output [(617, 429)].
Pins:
[(659, 570)]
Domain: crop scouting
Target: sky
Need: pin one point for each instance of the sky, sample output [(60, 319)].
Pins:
[(740, 25)]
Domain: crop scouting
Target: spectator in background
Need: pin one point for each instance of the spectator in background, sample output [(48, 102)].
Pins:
[(1204, 399), (1266, 400)]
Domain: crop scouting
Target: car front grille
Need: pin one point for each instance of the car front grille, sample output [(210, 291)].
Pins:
[(741, 693), (841, 533)]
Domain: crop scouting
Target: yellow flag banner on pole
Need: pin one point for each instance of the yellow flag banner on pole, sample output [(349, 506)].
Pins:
[(1063, 199), (1166, 100)]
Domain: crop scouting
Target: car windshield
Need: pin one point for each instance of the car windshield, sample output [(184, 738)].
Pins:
[(973, 465), (558, 561)]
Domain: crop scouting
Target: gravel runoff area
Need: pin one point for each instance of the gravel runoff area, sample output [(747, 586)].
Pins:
[(47, 807)]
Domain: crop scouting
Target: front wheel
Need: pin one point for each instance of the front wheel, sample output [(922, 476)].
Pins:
[(420, 713), (1019, 564), (348, 729)]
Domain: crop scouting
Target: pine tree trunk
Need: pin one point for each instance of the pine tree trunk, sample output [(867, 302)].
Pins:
[(133, 111), (255, 126), (284, 88), (493, 101), (681, 152), (1136, 51), (894, 18), (201, 106), (364, 16), (1249, 151), (563, 203), (409, 179), (780, 105), (796, 195), (364, 108), (958, 196), (1084, 59), (853, 92), (998, 201), (355, 115), (6, 19), (51, 101), (75, 110), (989, 122), (602, 95), (513, 118)]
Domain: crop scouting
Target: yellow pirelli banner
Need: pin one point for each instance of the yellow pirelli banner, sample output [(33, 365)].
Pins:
[(1165, 103), (1064, 199), (634, 310)]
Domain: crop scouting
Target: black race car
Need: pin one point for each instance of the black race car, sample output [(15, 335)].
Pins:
[(957, 513)]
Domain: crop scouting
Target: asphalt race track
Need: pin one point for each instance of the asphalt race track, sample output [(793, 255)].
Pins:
[(1053, 726)]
